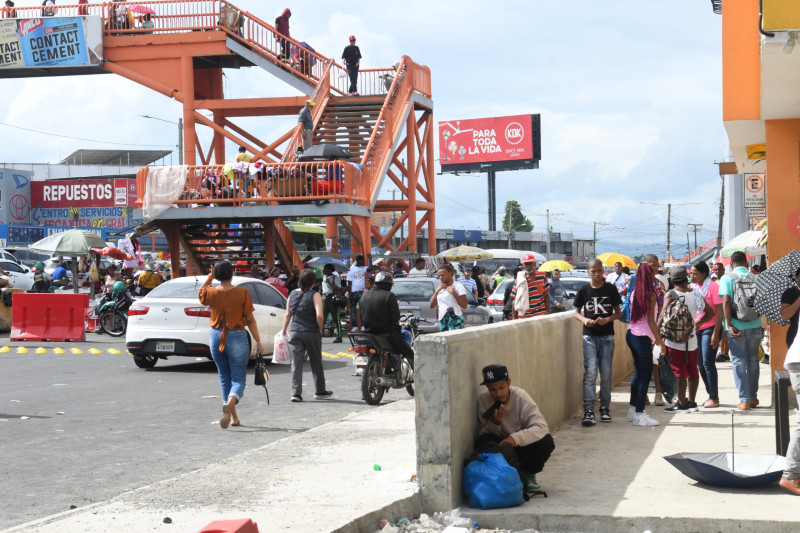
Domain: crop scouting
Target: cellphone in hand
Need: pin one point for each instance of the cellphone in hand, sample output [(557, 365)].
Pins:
[(491, 410)]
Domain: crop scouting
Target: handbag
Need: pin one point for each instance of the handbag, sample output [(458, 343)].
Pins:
[(262, 374), (666, 378)]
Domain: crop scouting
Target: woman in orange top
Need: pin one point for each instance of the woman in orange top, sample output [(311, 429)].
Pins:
[(231, 309)]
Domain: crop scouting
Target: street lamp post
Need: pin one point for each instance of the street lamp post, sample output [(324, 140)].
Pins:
[(180, 134)]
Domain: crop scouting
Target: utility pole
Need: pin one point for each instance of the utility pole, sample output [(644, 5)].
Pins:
[(688, 250), (694, 227), (594, 237), (548, 232), (669, 218), (669, 221), (510, 224)]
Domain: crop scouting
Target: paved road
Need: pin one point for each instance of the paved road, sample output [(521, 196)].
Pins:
[(81, 428)]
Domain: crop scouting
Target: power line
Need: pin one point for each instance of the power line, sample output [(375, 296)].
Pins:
[(80, 138)]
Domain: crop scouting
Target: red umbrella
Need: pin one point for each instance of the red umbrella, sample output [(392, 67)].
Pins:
[(144, 10), (113, 252)]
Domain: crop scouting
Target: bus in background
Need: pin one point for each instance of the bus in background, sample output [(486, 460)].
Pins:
[(307, 237)]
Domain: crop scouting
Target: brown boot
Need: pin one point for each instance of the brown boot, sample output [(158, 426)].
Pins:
[(792, 485)]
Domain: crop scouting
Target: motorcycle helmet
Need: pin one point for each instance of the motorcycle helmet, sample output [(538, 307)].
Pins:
[(39, 266), (118, 287)]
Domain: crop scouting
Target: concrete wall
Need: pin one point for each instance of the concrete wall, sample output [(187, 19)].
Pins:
[(544, 356)]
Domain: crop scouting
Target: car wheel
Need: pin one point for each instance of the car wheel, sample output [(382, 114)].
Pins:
[(145, 360)]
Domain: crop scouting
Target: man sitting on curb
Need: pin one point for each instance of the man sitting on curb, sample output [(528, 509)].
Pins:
[(509, 416)]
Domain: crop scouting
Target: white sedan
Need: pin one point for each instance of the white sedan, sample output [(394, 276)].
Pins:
[(18, 276), (171, 321)]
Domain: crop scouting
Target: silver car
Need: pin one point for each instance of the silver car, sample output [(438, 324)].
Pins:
[(414, 296)]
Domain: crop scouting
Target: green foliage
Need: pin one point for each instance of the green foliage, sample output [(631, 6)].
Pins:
[(309, 220), (519, 222)]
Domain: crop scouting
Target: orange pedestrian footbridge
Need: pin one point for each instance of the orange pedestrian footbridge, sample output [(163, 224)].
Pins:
[(181, 51)]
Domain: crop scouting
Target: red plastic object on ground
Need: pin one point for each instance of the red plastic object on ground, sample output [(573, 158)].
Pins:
[(242, 525), (53, 317)]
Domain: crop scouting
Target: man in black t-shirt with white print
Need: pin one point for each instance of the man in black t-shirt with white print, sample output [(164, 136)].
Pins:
[(597, 306)]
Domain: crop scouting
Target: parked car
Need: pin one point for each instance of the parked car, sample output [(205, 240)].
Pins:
[(25, 257), (495, 301), (414, 296), (171, 321), (19, 276), (7, 254), (571, 286)]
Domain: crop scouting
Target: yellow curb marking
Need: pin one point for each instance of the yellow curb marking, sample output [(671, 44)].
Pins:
[(22, 349), (76, 350)]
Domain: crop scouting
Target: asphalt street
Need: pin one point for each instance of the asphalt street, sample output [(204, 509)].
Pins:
[(79, 428)]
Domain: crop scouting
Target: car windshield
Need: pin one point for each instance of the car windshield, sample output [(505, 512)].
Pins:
[(413, 290), (491, 265), (573, 284), (500, 291), (181, 289)]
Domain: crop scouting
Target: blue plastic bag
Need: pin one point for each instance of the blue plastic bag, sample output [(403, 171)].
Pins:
[(491, 483)]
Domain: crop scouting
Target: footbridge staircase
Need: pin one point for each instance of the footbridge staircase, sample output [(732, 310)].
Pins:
[(388, 128)]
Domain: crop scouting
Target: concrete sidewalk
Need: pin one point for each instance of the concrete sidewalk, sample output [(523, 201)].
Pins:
[(611, 477)]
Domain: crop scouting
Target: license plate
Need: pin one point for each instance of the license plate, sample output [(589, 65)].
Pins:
[(360, 360), (165, 346)]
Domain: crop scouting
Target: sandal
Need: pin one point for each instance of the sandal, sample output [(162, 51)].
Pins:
[(711, 403), (225, 421)]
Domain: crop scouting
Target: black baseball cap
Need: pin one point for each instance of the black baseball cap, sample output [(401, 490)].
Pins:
[(493, 374)]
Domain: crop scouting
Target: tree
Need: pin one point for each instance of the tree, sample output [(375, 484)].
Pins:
[(638, 258), (309, 220), (519, 222)]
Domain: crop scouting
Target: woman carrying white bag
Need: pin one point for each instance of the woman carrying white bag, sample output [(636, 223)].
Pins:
[(304, 310)]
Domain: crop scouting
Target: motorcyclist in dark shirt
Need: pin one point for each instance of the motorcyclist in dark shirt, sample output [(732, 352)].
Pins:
[(380, 314)]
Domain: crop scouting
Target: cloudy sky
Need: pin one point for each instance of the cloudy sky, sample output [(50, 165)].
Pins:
[(629, 93)]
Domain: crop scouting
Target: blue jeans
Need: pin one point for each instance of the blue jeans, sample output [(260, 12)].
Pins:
[(792, 470), (598, 352), (744, 356), (642, 350), (355, 297), (707, 362), (231, 362)]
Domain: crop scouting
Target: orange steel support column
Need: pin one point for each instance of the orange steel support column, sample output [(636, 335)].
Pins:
[(187, 97), (269, 242), (332, 233), (412, 178), (218, 93), (783, 208), (431, 189)]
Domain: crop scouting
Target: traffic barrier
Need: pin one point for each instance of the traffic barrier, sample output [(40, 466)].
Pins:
[(5, 308), (242, 525), (53, 317)]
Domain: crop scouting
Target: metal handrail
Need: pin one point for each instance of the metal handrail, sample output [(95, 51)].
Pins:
[(320, 98), (275, 184)]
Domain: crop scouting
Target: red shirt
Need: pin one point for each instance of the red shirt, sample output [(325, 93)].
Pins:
[(536, 289)]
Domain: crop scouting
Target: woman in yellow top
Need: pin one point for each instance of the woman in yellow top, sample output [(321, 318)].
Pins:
[(231, 309), (148, 280)]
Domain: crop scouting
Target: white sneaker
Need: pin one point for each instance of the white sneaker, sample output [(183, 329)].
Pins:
[(643, 419), (631, 413)]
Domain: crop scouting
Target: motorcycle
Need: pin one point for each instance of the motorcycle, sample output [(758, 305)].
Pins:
[(382, 368), (112, 313)]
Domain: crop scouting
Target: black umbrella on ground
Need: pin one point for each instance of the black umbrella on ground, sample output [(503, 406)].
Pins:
[(773, 282), (732, 470), (717, 469), (324, 152)]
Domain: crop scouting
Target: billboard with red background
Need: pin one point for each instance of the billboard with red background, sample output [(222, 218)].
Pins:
[(497, 143)]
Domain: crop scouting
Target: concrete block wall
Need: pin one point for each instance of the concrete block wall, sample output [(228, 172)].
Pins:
[(544, 356)]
